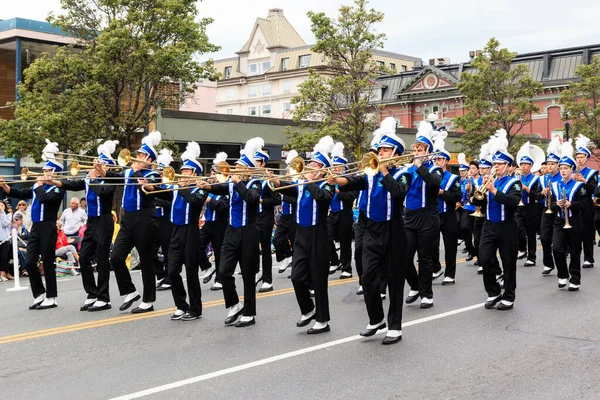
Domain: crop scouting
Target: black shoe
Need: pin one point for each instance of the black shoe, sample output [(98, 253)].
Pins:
[(360, 291), (425, 305), (34, 306), (522, 256), (371, 332), (547, 271), (437, 274), (177, 317), (190, 316), (303, 322), (391, 340), (41, 307), (476, 263), (504, 307), (411, 299), (470, 257), (465, 251), (492, 303), (243, 324), (281, 270), (313, 331), (164, 286), (93, 308), (85, 307), (231, 320), (529, 263), (129, 303), (139, 310), (587, 264)]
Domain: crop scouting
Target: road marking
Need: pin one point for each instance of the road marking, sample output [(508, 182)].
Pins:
[(279, 357)]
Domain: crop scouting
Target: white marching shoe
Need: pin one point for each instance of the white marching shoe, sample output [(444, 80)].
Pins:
[(49, 302)]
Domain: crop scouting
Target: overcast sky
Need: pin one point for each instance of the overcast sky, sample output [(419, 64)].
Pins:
[(429, 29)]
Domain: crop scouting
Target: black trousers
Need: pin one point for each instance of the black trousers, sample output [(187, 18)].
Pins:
[(458, 215), (422, 229), (285, 234), (501, 236), (466, 231), (588, 233), (5, 249), (240, 245), (384, 256), (42, 241), (212, 232), (597, 219), (359, 233), (339, 225), (477, 227), (310, 269), (139, 230), (546, 232), (265, 227), (162, 240), (567, 241), (526, 219), (449, 232), (96, 245), (183, 250)]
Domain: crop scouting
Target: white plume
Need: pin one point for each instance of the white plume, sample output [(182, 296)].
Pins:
[(582, 141), (252, 146), (338, 150), (484, 152), (192, 151), (524, 150), (290, 156), (462, 159), (501, 135), (108, 147), (425, 129), (153, 139), (554, 146), (165, 157), (439, 142), (49, 150), (377, 135), (432, 117), (567, 148), (324, 146), (388, 125), (498, 142), (220, 157)]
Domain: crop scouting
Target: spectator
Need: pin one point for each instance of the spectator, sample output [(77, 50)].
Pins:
[(83, 204), (65, 247), (73, 219), (23, 236), (23, 208), (5, 220)]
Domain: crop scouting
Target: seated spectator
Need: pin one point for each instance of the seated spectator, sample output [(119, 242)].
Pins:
[(65, 247), (22, 237), (23, 208), (73, 219), (5, 220)]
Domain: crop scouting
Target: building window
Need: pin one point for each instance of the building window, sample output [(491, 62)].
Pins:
[(404, 68), (265, 66), (229, 111), (287, 86), (284, 64), (304, 61), (252, 90), (287, 107), (380, 64), (229, 93), (258, 68), (265, 111), (227, 72), (253, 111), (253, 69), (392, 66), (266, 89)]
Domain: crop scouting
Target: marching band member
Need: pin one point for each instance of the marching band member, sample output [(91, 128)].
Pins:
[(186, 205), (213, 230), (499, 232), (311, 248), (421, 218), (46, 199), (589, 177), (450, 194), (384, 244), (165, 227), (99, 195), (285, 233), (463, 172), (341, 219), (476, 180), (265, 220), (547, 222), (241, 237), (526, 215), (568, 200), (138, 226)]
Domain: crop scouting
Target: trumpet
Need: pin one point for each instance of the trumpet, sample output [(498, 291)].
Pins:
[(481, 191), (565, 210), (548, 197)]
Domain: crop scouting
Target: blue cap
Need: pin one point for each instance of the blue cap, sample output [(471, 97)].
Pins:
[(53, 164), (391, 140), (192, 164), (463, 167), (485, 163), (147, 149), (553, 157), (503, 157), (339, 160), (526, 160), (424, 140), (246, 161), (322, 158), (443, 153), (566, 160), (261, 155), (104, 159), (583, 150)]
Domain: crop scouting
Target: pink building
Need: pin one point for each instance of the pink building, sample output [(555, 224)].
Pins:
[(203, 99)]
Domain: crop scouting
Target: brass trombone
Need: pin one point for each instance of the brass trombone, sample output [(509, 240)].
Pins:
[(125, 158), (75, 167), (565, 210), (370, 162)]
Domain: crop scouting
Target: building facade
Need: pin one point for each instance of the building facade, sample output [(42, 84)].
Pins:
[(263, 78), (410, 96)]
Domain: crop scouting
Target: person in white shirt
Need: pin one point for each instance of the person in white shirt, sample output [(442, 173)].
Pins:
[(73, 218)]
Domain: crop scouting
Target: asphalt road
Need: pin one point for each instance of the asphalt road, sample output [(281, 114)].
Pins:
[(547, 347)]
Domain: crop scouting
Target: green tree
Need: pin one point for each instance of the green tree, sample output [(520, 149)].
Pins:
[(339, 101), (582, 101), (131, 57), (498, 96)]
